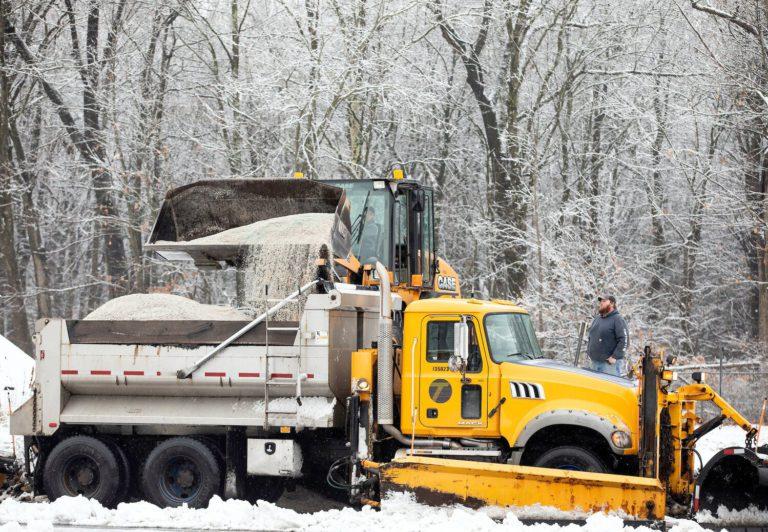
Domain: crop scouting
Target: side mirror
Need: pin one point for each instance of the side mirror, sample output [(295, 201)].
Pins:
[(458, 361)]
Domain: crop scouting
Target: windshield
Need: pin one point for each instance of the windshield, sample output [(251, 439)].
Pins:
[(370, 211), (511, 337)]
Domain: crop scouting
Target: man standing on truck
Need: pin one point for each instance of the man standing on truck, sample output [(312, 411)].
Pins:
[(608, 338)]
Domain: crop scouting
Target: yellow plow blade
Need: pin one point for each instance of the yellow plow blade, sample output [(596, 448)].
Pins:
[(439, 481)]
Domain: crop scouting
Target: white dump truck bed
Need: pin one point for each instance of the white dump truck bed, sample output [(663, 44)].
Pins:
[(125, 372)]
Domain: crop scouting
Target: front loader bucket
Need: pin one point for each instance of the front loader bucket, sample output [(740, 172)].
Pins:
[(211, 206), (438, 481), (735, 478)]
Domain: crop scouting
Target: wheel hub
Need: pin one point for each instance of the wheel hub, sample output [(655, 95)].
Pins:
[(181, 479), (85, 476), (81, 476), (185, 478)]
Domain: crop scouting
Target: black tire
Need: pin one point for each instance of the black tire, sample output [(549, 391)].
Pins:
[(125, 471), (181, 471), (572, 459), (259, 488), (82, 465)]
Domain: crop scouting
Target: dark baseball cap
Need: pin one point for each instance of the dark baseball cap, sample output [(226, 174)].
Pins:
[(612, 299)]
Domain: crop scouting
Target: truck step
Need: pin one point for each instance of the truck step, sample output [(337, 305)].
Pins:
[(281, 412), (294, 355), (281, 382), (282, 328)]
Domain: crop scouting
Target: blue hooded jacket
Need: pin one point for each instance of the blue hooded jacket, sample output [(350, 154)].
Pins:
[(608, 337)]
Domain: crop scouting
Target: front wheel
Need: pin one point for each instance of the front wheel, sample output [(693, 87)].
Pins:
[(571, 459), (181, 471)]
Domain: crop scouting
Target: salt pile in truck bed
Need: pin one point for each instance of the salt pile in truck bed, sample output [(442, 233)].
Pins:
[(158, 307), (280, 253)]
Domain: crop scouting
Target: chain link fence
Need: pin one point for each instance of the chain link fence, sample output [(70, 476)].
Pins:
[(744, 384)]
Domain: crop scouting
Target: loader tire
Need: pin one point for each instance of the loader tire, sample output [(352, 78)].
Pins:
[(572, 459), (181, 471), (83, 465)]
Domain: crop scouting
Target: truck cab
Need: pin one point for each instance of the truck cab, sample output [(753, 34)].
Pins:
[(504, 395)]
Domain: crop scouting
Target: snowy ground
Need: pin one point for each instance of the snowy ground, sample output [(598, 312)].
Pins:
[(398, 513), (5, 437), (15, 372), (722, 437)]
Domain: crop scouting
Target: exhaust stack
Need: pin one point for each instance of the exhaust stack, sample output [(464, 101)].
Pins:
[(385, 393)]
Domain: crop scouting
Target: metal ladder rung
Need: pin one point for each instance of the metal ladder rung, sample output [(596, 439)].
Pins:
[(269, 378)]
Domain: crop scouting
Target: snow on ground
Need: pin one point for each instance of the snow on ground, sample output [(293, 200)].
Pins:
[(16, 369), (722, 437), (399, 513), (726, 517)]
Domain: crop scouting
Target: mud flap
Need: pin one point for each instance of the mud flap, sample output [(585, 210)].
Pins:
[(736, 478), (437, 482), (234, 462)]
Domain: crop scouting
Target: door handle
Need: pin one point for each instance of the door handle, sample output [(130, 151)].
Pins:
[(496, 408)]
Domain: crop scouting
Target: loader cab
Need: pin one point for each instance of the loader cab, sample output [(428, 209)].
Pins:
[(392, 222)]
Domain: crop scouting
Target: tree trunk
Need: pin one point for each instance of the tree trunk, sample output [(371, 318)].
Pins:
[(101, 177), (507, 202), (89, 142), (32, 215), (235, 159), (596, 158), (656, 193), (19, 333)]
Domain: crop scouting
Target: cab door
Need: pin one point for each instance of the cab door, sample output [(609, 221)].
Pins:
[(446, 399)]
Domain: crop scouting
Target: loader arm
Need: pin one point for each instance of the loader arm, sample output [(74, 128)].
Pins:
[(704, 392)]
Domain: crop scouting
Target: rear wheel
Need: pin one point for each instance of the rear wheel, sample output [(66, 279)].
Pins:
[(83, 465), (125, 471), (181, 471), (571, 459)]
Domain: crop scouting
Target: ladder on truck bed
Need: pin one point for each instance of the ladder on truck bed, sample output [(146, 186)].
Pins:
[(293, 378), (270, 379)]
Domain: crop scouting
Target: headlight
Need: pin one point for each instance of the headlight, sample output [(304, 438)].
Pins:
[(363, 385), (669, 375), (621, 439)]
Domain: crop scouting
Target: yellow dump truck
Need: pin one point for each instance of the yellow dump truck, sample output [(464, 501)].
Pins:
[(468, 383)]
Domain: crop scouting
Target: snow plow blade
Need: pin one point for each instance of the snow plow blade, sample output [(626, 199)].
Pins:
[(736, 478), (211, 206), (438, 481)]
